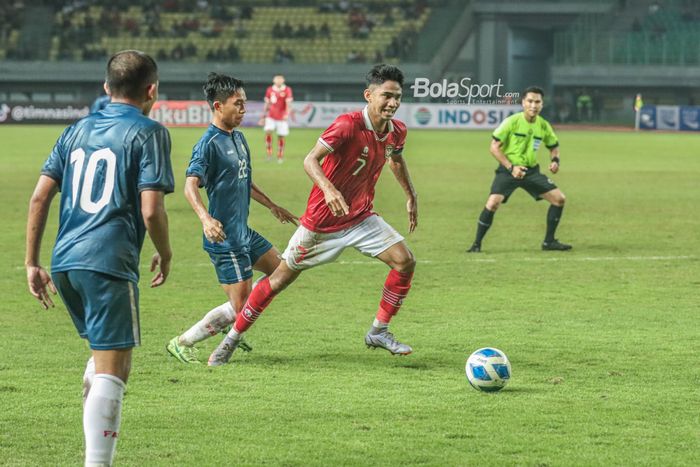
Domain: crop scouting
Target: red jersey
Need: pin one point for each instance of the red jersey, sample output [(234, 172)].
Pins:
[(278, 102), (353, 166)]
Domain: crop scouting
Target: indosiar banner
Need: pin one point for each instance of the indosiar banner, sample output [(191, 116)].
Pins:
[(306, 114)]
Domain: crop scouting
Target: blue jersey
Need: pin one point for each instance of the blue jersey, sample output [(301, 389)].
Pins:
[(100, 103), (101, 164), (221, 161)]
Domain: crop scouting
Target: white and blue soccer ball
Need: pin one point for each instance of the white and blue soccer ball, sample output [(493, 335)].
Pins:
[(488, 369)]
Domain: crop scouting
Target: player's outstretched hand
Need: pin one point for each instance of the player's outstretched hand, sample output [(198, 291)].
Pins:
[(412, 208), (213, 230), (283, 215), (38, 280), (554, 167), (164, 270), (336, 203)]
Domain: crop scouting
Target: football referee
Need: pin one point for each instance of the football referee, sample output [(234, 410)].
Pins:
[(514, 145)]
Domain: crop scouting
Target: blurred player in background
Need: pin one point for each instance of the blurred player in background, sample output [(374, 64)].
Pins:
[(221, 164), (514, 146), (113, 170), (339, 213), (278, 104)]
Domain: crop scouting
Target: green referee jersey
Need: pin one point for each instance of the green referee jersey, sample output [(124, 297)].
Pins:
[(520, 139)]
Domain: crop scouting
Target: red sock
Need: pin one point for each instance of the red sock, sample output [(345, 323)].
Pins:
[(395, 290), (280, 148), (268, 144), (259, 299)]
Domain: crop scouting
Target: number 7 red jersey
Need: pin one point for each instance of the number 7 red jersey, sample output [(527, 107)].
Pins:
[(357, 156)]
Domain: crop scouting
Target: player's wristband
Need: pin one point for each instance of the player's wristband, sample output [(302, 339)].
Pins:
[(510, 169), (555, 159)]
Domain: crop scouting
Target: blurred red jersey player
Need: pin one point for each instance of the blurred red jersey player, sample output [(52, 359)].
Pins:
[(278, 103)]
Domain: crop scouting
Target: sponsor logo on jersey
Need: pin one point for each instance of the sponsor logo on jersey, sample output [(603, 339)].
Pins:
[(388, 150)]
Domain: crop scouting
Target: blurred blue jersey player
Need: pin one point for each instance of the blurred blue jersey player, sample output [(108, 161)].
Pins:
[(113, 170), (221, 164)]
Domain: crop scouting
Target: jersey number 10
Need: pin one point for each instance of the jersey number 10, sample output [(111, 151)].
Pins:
[(77, 157)]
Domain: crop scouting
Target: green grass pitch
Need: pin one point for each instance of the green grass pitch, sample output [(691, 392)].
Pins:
[(603, 339)]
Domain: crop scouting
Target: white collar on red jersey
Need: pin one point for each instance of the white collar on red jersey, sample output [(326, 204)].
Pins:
[(368, 124)]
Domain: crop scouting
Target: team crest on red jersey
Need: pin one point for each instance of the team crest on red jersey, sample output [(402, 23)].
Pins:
[(388, 150)]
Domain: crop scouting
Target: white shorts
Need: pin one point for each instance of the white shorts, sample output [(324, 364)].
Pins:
[(370, 237), (281, 127)]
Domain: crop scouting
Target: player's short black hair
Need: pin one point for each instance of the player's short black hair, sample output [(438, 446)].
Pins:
[(383, 72), (220, 87), (534, 90), (129, 73)]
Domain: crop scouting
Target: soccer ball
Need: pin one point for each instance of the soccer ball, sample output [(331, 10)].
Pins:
[(488, 369)]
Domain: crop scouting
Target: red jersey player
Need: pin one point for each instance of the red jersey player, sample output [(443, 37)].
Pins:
[(339, 211), (278, 103)]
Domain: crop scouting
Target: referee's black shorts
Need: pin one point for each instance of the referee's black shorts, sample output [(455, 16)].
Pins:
[(534, 183)]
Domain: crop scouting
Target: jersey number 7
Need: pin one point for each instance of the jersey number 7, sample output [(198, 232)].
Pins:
[(362, 164)]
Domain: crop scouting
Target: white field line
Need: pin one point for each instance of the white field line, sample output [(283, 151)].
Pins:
[(588, 259)]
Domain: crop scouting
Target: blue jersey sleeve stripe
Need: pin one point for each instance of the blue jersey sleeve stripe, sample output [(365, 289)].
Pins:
[(212, 138), (51, 174), (194, 171), (167, 188)]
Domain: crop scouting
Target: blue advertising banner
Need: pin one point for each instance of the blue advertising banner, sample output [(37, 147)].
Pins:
[(669, 117), (690, 118), (647, 118)]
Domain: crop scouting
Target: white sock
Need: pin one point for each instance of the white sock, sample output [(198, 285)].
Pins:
[(212, 324), (88, 378), (378, 326), (233, 335), (101, 419)]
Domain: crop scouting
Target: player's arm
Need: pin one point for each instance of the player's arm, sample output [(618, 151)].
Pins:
[(554, 159), (312, 166), (518, 171), (156, 220), (398, 166), (213, 229), (288, 107), (37, 277), (279, 212), (266, 108)]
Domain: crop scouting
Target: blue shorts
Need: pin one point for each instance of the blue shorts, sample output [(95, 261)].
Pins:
[(104, 308), (233, 267), (258, 246)]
